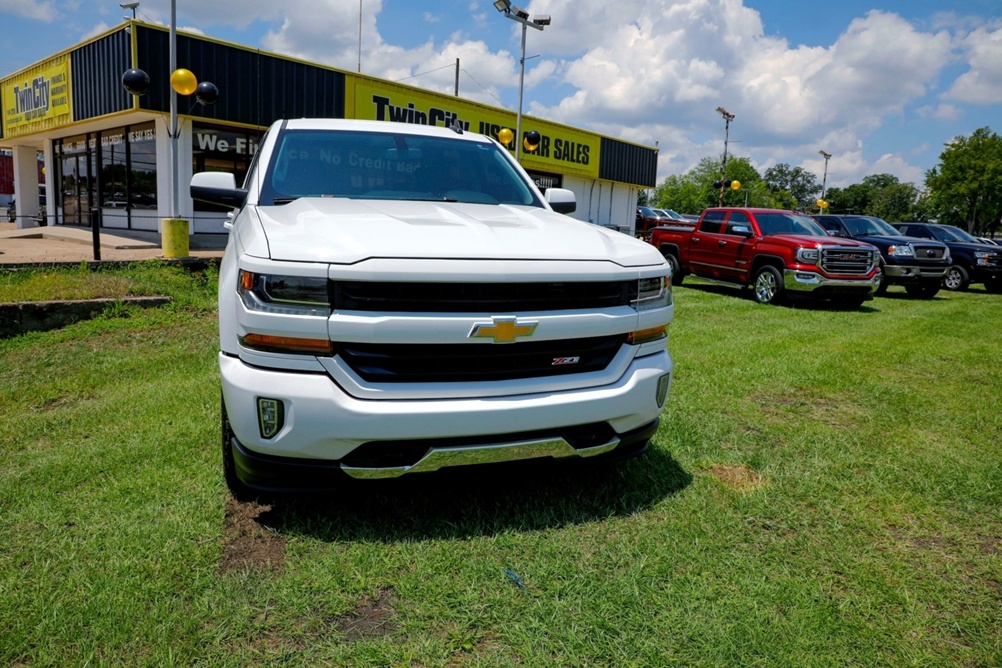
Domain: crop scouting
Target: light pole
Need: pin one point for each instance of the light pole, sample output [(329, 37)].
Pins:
[(728, 117), (824, 179), (518, 14), (183, 82)]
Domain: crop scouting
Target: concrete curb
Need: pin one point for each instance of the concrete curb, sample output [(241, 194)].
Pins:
[(20, 318)]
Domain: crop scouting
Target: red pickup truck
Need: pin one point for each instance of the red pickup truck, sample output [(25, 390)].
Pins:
[(775, 252)]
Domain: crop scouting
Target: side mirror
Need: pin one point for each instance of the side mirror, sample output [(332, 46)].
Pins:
[(742, 230), (561, 200), (217, 188)]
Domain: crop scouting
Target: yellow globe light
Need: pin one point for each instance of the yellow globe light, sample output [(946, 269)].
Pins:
[(183, 81), (822, 204), (505, 136), (735, 184)]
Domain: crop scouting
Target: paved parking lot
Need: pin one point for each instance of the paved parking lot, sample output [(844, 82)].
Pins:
[(62, 244)]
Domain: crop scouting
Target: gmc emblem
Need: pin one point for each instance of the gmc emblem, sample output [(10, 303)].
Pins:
[(561, 361)]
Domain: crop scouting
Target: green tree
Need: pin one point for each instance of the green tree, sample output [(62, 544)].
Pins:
[(880, 195), (801, 184), (965, 188), (895, 202), (693, 191)]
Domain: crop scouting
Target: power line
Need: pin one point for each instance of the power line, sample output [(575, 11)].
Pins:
[(464, 71), (485, 90), (421, 74)]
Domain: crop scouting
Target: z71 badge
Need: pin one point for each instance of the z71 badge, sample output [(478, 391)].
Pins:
[(561, 361)]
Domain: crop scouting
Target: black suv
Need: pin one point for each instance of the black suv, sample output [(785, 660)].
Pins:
[(973, 260), (917, 264)]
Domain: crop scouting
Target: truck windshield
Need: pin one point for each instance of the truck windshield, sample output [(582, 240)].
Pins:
[(771, 224), (951, 233), (870, 227), (392, 166)]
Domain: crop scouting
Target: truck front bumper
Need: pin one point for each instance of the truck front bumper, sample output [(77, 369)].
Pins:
[(909, 273), (798, 280), (325, 429)]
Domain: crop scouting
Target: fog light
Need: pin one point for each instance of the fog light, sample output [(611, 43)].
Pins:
[(662, 393), (270, 416)]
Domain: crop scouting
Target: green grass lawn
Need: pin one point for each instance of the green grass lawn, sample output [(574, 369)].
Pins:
[(824, 490)]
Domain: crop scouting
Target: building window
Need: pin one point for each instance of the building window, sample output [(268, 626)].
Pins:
[(141, 166)]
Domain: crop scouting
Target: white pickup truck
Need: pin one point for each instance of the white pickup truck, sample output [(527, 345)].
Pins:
[(399, 298)]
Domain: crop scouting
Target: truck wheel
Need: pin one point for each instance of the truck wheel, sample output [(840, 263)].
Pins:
[(922, 291), (240, 491), (956, 278), (676, 269), (767, 288)]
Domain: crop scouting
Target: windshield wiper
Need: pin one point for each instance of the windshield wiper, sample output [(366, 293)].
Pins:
[(283, 200)]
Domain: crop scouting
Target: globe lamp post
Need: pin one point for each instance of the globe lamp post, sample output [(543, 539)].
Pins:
[(538, 23)]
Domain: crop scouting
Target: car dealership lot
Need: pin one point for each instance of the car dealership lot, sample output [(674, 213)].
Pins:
[(823, 490)]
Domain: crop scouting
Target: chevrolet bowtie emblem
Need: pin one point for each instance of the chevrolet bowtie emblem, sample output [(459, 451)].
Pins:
[(503, 330)]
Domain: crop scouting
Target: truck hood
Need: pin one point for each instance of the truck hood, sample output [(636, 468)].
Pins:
[(346, 231), (821, 242), (883, 241)]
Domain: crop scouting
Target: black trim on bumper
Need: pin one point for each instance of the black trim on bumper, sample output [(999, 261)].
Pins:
[(267, 473)]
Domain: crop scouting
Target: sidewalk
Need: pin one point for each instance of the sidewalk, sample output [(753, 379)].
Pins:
[(71, 244)]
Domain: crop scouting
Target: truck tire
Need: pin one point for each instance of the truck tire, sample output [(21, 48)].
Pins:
[(922, 290), (240, 491), (956, 278), (767, 288), (676, 269)]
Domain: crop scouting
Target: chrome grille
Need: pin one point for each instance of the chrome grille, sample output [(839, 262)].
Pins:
[(923, 252), (846, 260)]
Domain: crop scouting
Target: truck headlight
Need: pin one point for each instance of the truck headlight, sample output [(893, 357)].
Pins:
[(982, 257), (904, 250), (808, 255), (286, 295), (652, 293)]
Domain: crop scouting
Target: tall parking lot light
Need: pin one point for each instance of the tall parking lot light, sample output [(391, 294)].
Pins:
[(824, 179), (182, 82), (518, 14), (724, 182)]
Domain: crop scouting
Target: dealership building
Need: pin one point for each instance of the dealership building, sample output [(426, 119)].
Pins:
[(106, 154)]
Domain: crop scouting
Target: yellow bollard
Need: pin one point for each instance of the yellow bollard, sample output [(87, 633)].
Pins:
[(174, 237)]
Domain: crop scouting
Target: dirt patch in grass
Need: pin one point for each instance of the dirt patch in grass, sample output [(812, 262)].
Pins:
[(740, 478), (371, 618), (246, 542)]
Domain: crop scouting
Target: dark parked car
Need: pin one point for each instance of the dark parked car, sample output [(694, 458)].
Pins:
[(973, 260), (917, 264), (668, 214)]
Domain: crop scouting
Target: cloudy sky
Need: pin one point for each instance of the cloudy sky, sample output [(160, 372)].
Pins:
[(879, 84)]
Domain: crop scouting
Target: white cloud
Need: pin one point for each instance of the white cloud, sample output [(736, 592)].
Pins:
[(982, 84), (26, 9), (652, 71)]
